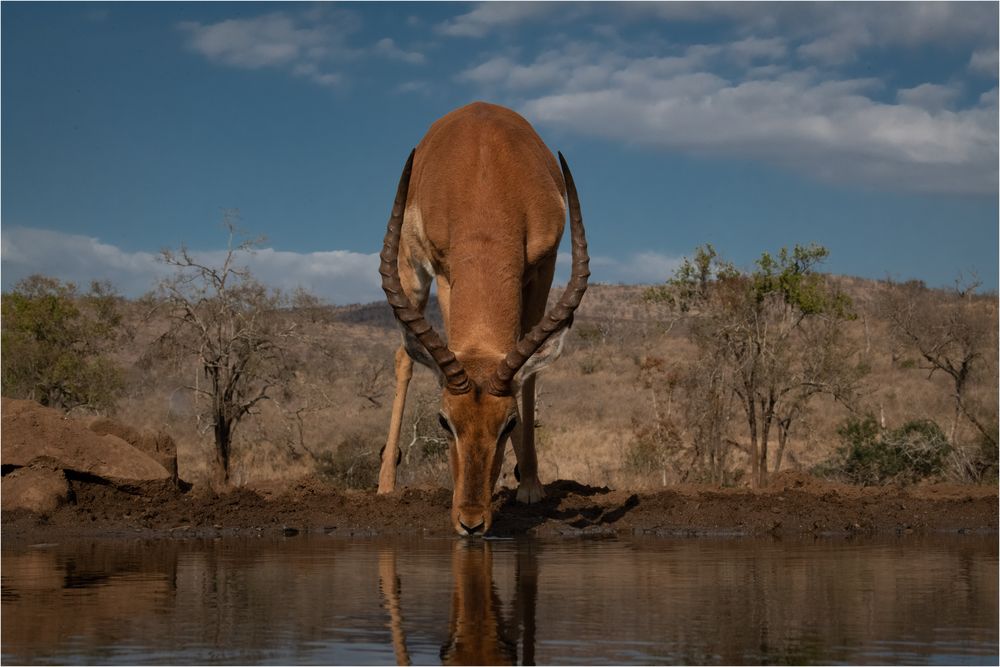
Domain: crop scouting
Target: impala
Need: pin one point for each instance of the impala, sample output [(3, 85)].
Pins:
[(479, 633), (480, 208)]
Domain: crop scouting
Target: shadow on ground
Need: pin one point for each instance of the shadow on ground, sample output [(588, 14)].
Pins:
[(579, 508)]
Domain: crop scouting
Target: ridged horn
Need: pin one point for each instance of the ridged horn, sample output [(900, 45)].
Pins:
[(561, 313), (456, 380)]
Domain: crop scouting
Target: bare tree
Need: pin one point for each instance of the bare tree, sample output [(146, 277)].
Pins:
[(372, 381), (953, 332), (230, 323), (824, 365)]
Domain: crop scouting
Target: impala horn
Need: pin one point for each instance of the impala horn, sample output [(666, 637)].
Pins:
[(456, 380), (561, 314)]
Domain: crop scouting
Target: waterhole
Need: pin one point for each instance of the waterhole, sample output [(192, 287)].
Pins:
[(908, 600)]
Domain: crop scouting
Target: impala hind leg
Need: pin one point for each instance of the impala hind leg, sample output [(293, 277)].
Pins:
[(529, 488), (391, 452)]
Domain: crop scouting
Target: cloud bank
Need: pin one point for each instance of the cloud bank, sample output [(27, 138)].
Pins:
[(337, 276), (789, 84), (313, 45), (780, 86)]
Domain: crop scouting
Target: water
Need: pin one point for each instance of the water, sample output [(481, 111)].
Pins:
[(916, 600)]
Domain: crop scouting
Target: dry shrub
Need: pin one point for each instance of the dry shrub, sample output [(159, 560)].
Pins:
[(587, 423)]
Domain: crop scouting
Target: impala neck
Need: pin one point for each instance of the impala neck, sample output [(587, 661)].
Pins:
[(485, 310)]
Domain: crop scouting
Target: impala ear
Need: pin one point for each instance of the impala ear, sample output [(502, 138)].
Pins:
[(546, 354)]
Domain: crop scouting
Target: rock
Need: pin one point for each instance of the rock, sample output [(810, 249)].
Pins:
[(41, 489), (31, 431), (158, 445)]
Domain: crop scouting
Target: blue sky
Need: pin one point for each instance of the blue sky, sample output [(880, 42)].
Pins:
[(869, 128)]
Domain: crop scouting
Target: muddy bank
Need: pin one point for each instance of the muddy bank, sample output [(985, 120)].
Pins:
[(794, 505)]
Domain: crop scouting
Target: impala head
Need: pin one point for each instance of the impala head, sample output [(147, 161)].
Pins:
[(478, 425), (477, 632), (478, 408)]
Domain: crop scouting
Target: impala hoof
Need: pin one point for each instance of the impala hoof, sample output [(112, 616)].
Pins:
[(530, 491)]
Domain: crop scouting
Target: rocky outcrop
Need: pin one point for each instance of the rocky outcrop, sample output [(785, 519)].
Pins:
[(157, 444), (41, 488), (40, 446)]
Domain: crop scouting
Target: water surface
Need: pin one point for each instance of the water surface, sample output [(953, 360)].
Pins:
[(914, 600)]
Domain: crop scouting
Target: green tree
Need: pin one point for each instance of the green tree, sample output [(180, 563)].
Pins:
[(56, 344), (778, 333)]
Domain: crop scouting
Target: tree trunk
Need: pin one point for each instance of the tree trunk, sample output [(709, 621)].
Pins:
[(223, 442), (764, 437), (991, 436), (783, 428), (954, 421), (754, 457)]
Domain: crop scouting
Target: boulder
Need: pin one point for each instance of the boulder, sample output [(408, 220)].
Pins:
[(41, 488), (31, 431), (157, 444)]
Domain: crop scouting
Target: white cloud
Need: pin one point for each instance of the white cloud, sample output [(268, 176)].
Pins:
[(262, 41), (828, 129), (387, 47), (984, 61), (929, 96), (836, 32), (752, 49), (72, 257), (301, 44), (752, 98), (339, 276), (642, 267), (415, 86), (489, 16)]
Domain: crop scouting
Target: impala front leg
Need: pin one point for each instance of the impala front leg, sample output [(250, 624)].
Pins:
[(390, 453), (529, 488)]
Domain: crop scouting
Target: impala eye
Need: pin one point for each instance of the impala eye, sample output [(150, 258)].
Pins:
[(511, 423), (444, 423)]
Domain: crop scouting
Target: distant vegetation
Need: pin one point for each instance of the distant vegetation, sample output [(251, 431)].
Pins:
[(718, 375), (56, 344), (767, 341), (871, 455)]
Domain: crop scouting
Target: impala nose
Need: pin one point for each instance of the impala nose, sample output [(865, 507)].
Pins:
[(471, 521), (471, 530)]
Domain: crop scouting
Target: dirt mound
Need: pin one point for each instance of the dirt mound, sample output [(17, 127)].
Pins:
[(73, 479), (157, 444), (159, 509), (41, 445), (41, 488)]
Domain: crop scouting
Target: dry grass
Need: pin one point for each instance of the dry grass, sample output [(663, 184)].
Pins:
[(589, 406)]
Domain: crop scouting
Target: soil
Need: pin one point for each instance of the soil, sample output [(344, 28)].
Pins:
[(54, 489), (794, 505)]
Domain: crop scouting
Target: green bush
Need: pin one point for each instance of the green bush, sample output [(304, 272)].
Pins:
[(870, 455), (56, 341)]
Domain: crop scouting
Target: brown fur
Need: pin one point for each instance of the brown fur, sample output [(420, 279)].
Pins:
[(490, 198), (477, 632), (484, 215)]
